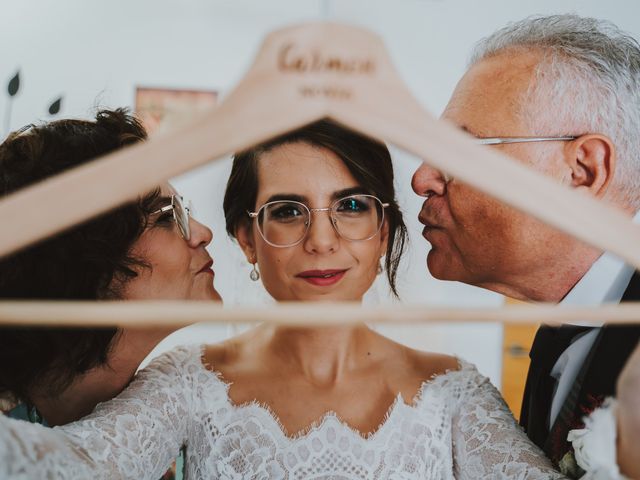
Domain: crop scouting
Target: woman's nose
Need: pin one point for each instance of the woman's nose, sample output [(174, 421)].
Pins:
[(321, 236), (201, 235), (428, 181)]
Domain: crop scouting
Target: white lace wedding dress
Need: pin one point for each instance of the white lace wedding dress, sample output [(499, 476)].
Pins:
[(457, 427)]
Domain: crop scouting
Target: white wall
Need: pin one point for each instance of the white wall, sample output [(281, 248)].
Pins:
[(96, 52)]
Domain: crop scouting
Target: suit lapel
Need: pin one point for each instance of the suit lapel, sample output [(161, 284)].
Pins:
[(596, 379), (556, 445), (632, 293)]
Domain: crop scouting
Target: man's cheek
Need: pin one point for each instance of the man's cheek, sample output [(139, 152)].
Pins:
[(471, 212)]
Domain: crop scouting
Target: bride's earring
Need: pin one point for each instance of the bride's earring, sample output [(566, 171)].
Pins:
[(380, 269), (254, 274)]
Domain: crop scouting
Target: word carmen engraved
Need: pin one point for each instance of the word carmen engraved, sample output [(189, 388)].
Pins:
[(292, 59)]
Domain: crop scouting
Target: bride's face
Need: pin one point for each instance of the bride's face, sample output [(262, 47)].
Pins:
[(323, 265)]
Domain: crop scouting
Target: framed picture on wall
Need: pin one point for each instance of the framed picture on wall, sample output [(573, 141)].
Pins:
[(164, 109)]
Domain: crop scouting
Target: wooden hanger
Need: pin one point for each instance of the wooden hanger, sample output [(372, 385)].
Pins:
[(302, 74), (176, 314)]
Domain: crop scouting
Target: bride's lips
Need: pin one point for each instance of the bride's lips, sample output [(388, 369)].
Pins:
[(207, 268), (322, 278)]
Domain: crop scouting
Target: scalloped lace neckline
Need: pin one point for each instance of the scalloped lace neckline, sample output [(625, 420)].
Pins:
[(266, 412)]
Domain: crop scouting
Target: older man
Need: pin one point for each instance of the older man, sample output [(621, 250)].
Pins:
[(560, 94)]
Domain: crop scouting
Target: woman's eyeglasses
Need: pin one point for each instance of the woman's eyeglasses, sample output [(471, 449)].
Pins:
[(180, 215), (285, 223)]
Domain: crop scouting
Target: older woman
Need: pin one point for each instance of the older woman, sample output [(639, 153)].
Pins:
[(146, 249)]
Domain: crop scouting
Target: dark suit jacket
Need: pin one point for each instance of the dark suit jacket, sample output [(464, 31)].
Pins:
[(596, 381)]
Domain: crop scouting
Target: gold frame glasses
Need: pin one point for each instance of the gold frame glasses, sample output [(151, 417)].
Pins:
[(353, 203)]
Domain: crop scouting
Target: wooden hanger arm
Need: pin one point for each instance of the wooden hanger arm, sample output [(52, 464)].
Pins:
[(154, 314)]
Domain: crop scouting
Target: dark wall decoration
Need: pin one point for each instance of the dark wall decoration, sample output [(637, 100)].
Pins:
[(13, 88)]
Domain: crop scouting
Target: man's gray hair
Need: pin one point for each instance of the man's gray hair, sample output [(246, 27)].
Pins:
[(588, 81)]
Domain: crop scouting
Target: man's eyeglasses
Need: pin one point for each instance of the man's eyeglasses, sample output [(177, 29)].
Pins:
[(505, 140), (285, 223), (180, 215)]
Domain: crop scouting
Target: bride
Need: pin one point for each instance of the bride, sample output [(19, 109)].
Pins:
[(315, 214)]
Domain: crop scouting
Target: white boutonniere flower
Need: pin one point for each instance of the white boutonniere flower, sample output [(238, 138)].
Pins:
[(595, 445)]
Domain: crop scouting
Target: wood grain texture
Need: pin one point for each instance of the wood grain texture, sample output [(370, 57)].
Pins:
[(172, 313)]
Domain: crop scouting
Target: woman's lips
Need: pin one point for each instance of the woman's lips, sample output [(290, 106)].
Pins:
[(322, 278), (207, 268)]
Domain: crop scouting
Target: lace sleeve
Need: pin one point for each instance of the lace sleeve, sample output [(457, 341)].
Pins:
[(136, 435), (32, 451), (488, 443)]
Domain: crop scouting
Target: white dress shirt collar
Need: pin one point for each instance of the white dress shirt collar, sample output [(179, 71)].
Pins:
[(605, 282)]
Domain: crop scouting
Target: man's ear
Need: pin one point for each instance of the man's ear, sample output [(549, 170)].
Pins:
[(244, 236), (592, 161)]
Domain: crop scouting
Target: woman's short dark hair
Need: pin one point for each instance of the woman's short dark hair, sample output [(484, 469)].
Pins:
[(86, 262), (368, 161)]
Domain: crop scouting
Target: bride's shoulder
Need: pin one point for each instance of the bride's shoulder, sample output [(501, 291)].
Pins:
[(430, 365)]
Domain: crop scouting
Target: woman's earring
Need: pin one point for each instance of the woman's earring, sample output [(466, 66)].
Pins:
[(254, 274), (380, 269)]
